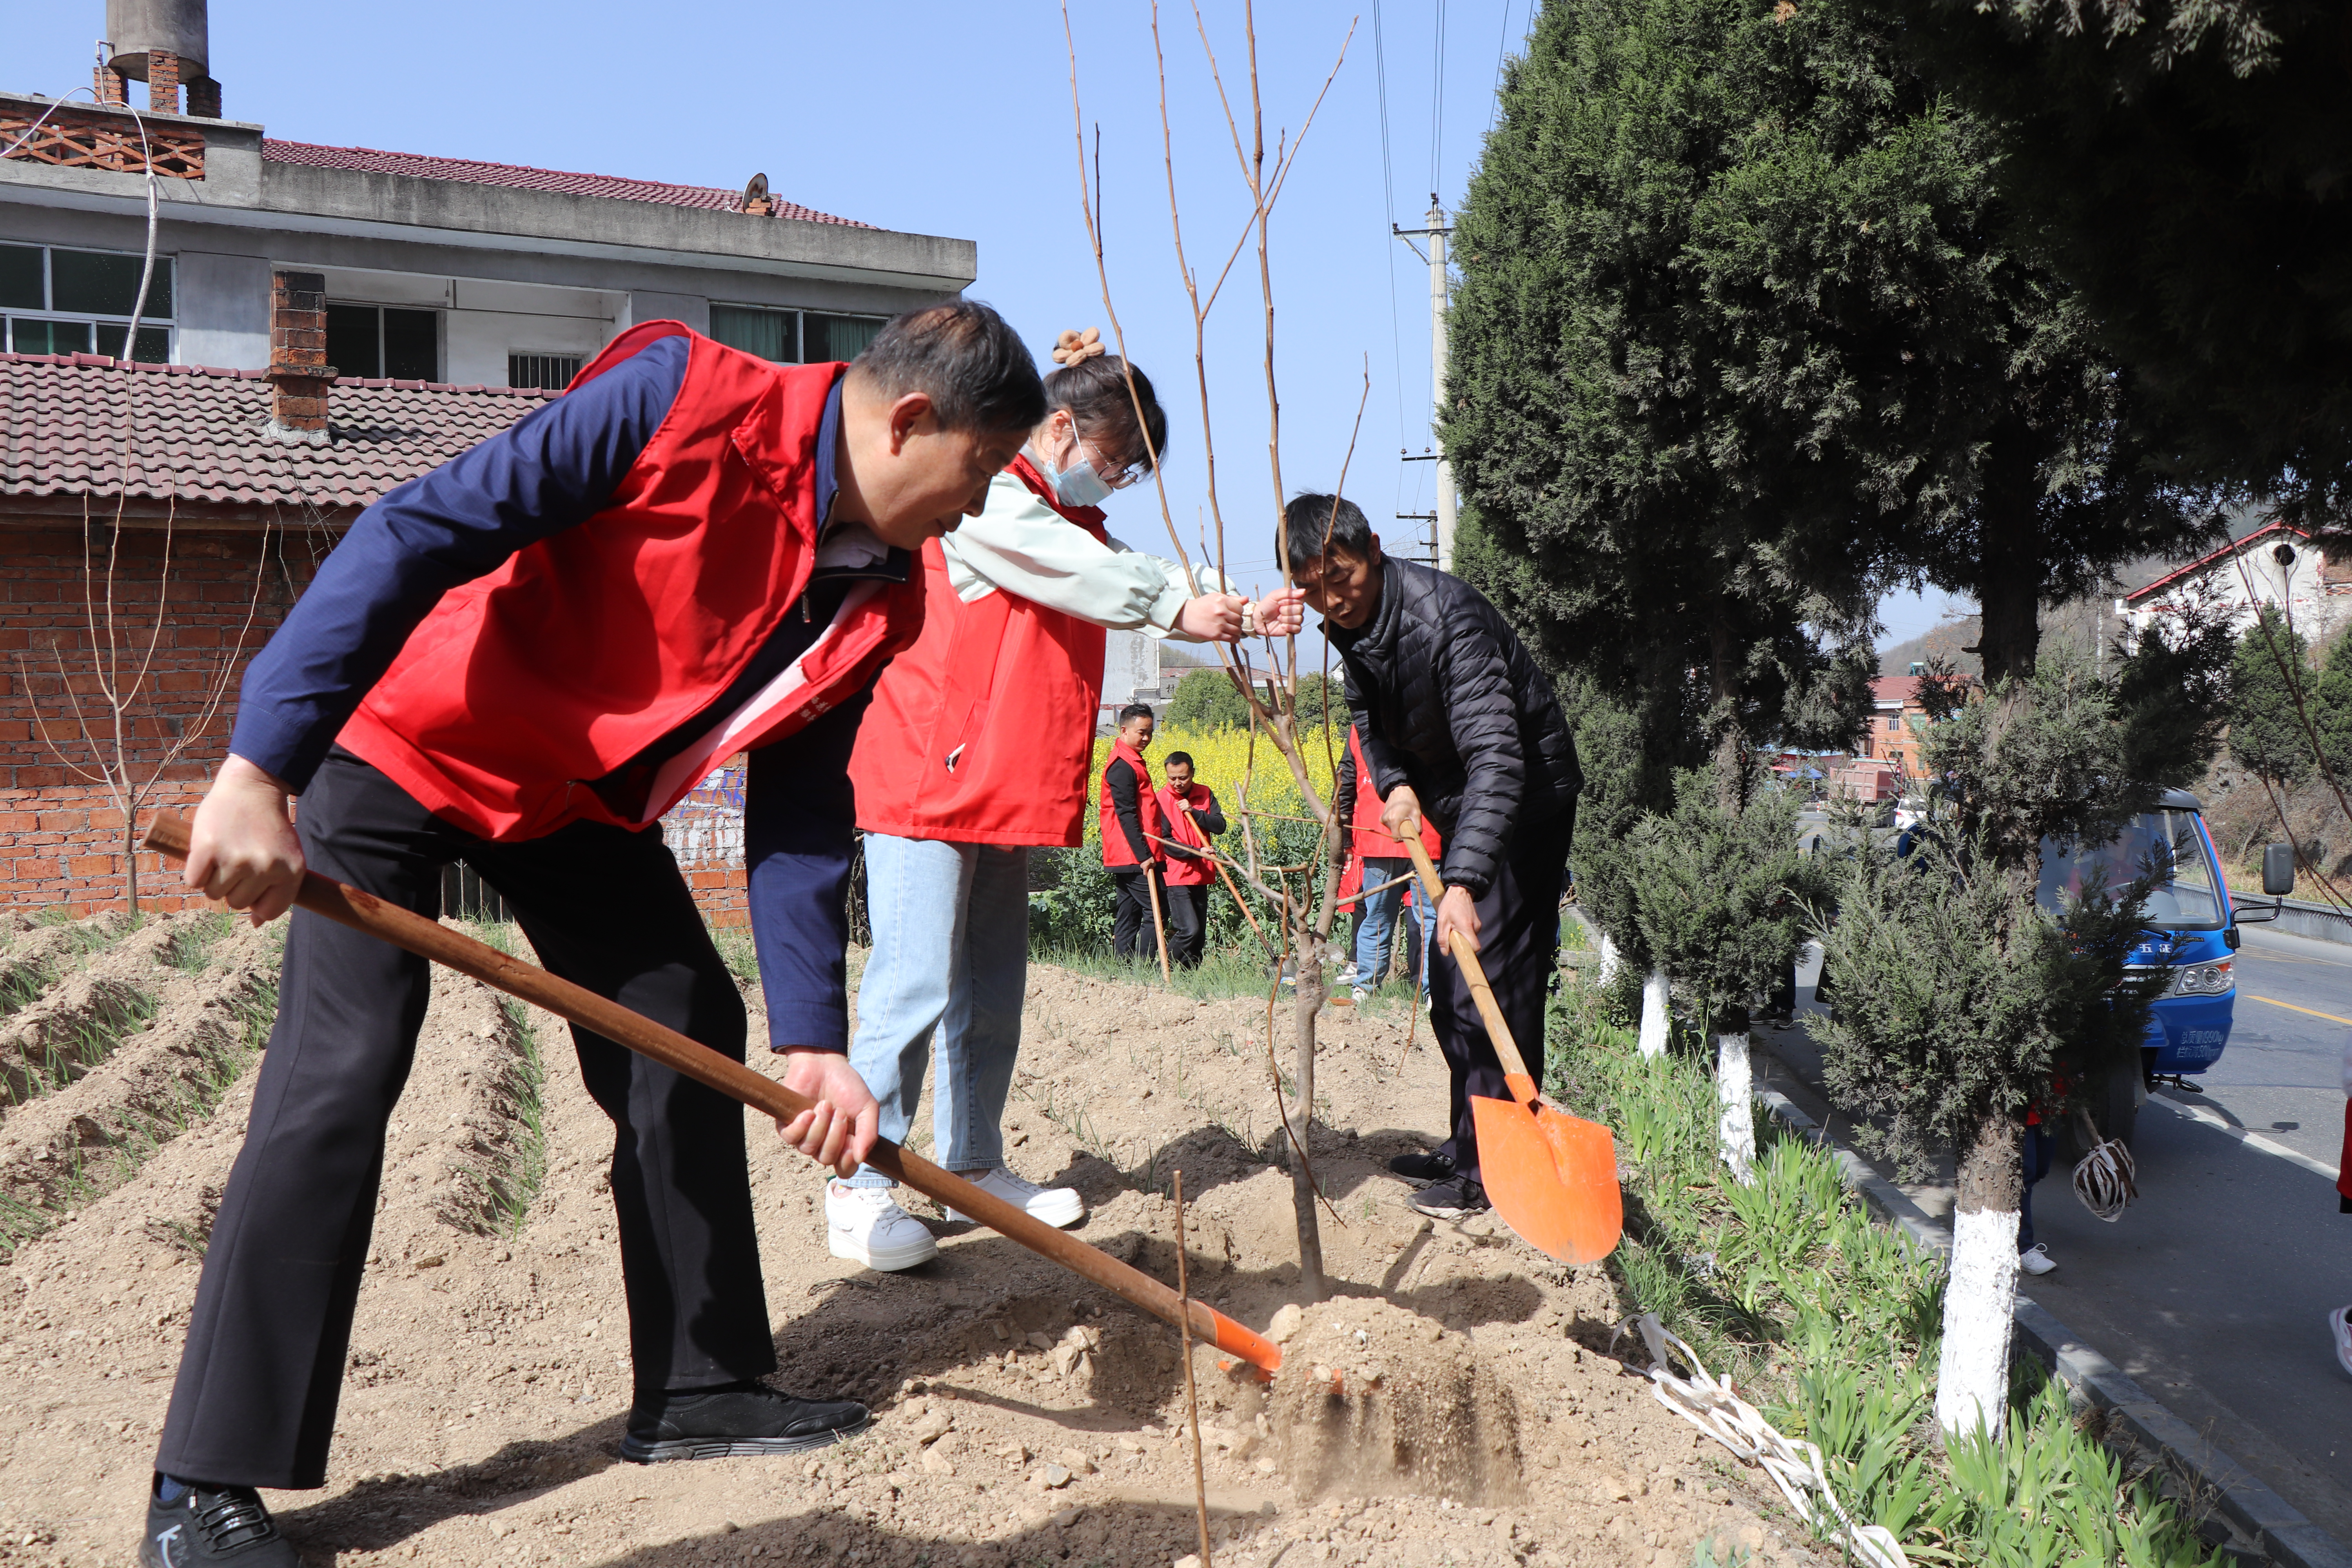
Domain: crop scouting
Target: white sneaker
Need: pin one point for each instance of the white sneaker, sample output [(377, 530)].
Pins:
[(867, 1226), (2340, 1329), (2036, 1260), (1359, 995), (1345, 978), (1060, 1207)]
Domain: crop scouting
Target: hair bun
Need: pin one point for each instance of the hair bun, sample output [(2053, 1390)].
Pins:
[(1073, 346)]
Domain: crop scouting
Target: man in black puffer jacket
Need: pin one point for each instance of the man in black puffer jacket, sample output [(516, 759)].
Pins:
[(1457, 722)]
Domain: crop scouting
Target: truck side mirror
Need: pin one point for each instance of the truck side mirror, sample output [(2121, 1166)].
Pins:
[(2278, 869)]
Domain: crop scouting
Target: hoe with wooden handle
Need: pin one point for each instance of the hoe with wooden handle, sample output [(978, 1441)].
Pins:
[(1552, 1176), (364, 911)]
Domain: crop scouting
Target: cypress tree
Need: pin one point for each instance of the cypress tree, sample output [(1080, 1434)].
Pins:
[(2266, 733)]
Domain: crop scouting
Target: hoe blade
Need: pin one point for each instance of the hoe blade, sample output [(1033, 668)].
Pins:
[(1552, 1176)]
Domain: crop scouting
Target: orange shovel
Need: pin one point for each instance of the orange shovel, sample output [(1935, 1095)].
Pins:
[(1552, 1176), (429, 939)]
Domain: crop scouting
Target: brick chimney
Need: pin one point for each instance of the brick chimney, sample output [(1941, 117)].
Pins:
[(298, 371), (163, 83)]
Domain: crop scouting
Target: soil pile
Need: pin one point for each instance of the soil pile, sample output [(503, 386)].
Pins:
[(1020, 1416), (1374, 1399)]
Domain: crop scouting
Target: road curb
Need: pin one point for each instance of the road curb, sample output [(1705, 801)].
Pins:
[(2266, 1518)]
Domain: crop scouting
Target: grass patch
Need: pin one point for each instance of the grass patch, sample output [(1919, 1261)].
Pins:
[(515, 1185), (1223, 974), (192, 945), (1829, 1323)]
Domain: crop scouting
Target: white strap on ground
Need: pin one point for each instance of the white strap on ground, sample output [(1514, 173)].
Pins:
[(1794, 1465)]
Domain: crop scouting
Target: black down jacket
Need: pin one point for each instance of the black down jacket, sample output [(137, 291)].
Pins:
[(1447, 699)]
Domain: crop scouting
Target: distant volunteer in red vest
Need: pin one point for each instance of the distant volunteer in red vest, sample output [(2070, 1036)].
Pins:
[(520, 660), (977, 748), (1134, 837), (1379, 861), (1190, 809)]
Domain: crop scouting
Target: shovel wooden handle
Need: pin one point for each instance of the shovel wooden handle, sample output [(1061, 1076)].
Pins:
[(405, 928), (1507, 1049)]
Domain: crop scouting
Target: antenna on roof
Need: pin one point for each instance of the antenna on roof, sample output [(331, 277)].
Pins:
[(757, 202)]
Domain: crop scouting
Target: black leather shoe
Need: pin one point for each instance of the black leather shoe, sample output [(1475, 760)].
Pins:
[(1457, 1199), (737, 1422), (1423, 1169), (206, 1524)]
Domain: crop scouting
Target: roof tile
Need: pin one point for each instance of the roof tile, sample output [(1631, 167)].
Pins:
[(63, 421), (468, 171)]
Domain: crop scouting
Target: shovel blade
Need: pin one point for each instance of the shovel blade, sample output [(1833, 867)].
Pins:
[(1552, 1176)]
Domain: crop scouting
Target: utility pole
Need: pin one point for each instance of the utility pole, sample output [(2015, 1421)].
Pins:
[(1435, 233)]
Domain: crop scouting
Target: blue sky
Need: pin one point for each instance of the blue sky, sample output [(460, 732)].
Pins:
[(956, 119)]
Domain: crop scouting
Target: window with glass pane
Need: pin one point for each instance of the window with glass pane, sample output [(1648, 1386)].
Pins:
[(106, 283), (837, 337), (20, 278), (83, 284), (379, 341), (771, 334)]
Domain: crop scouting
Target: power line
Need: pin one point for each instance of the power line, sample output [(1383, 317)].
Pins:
[(1502, 46), (1438, 105)]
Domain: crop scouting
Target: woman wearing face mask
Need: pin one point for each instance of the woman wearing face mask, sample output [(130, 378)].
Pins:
[(976, 748)]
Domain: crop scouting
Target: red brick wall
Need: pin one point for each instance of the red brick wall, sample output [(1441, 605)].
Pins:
[(60, 840)]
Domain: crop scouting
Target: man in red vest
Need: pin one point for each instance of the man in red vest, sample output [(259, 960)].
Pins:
[(520, 660), (1134, 834), (1190, 809), (1379, 861)]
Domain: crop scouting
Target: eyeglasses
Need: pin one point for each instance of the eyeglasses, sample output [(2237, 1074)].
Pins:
[(1131, 474)]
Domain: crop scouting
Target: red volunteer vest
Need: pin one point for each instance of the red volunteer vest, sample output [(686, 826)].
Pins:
[(980, 733), (1115, 848), (554, 670), (1183, 873), (1372, 842)]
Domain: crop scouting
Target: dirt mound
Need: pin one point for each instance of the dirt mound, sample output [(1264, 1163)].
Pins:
[(1374, 1399), (1021, 1415)]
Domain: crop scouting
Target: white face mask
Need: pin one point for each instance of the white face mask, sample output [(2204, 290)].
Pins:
[(1077, 485)]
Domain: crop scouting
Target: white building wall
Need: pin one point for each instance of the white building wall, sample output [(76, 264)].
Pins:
[(224, 309), (2253, 577)]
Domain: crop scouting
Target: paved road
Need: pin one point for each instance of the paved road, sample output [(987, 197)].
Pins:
[(2211, 1292)]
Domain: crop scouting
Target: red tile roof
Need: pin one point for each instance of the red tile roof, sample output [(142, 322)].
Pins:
[(196, 434), (468, 171), (1894, 687), (2198, 567)]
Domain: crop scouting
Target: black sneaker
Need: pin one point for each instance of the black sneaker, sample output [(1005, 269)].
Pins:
[(738, 1422), (1423, 1169), (213, 1524), (1456, 1199)]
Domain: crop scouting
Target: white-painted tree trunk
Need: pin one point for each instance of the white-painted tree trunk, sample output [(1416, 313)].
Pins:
[(1979, 1306), (1609, 959), (1734, 1085), (1657, 1017)]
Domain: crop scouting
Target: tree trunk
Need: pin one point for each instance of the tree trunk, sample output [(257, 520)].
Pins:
[(1731, 749), (131, 861), (2011, 571), (1980, 1297), (1658, 1013), (1735, 1088), (1311, 1287), (1609, 959)]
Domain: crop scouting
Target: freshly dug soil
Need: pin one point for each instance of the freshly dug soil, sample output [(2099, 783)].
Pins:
[(1021, 1416)]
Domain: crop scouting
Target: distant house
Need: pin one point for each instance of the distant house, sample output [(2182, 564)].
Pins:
[(1894, 704), (321, 324), (2276, 563)]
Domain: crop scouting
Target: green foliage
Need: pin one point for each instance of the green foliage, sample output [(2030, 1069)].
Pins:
[(1205, 701), (1722, 902), (2332, 712), (1828, 1321), (2222, 302), (1627, 774), (2171, 695), (2266, 733)]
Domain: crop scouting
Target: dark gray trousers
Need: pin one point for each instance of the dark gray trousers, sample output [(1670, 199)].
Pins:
[(1518, 947), (262, 1372)]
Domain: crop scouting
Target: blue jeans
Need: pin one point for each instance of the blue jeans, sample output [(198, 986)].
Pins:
[(2036, 1147), (951, 959), (1377, 916)]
